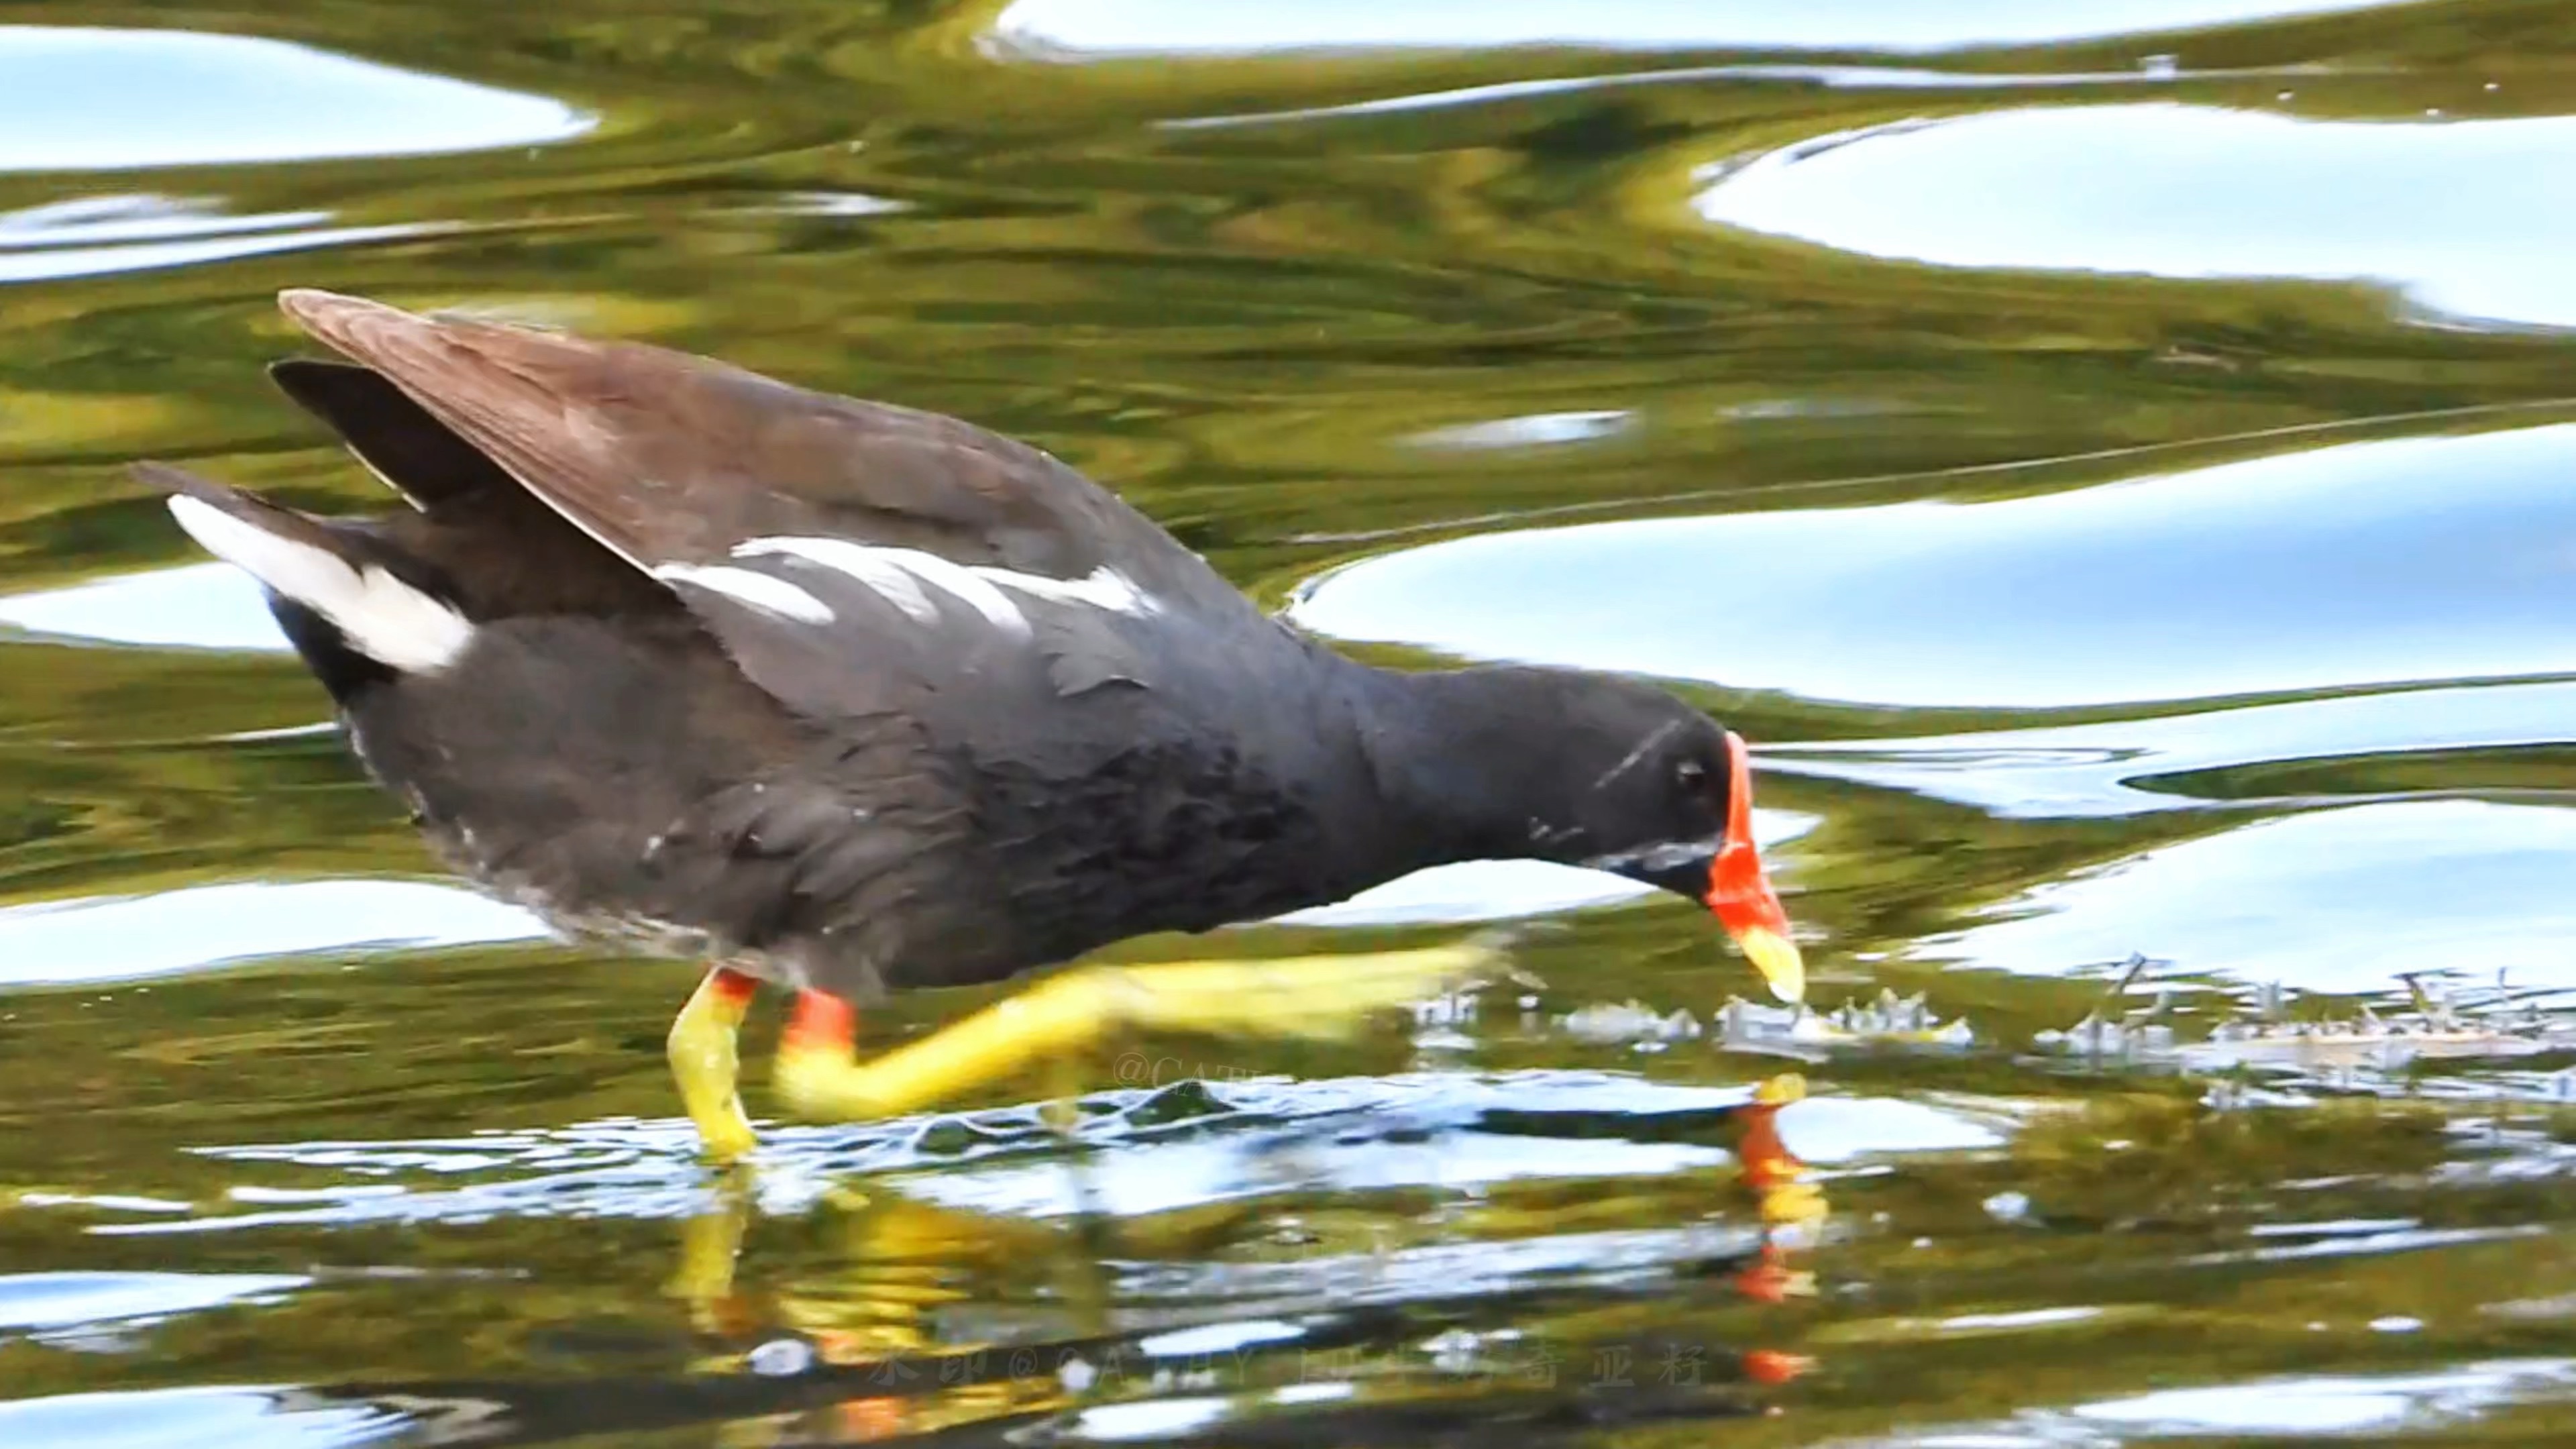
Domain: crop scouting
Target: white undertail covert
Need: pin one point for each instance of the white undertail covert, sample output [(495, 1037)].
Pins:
[(382, 617)]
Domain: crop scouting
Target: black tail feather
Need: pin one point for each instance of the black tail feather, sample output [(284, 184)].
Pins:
[(389, 432), (250, 508)]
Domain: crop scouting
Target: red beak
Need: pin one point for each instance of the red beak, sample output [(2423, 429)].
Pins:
[(1740, 894)]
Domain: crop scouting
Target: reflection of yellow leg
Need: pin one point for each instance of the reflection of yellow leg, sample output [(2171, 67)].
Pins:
[(1778, 1177), (709, 1243), (703, 1059), (1303, 997)]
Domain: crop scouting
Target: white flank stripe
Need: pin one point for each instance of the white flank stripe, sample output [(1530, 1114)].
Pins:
[(382, 617), (898, 574), (769, 594), (966, 584), (891, 583), (1103, 588)]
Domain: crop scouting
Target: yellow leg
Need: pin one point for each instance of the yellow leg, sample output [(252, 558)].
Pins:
[(1308, 997), (703, 1059)]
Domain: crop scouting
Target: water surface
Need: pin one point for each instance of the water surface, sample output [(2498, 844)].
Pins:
[(2111, 460)]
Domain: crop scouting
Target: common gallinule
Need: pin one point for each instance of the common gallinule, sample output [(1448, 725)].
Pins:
[(848, 697)]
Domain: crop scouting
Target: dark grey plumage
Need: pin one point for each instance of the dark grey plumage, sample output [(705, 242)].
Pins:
[(860, 697)]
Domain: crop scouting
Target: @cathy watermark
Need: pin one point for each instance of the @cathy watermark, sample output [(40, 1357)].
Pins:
[(1143, 1069)]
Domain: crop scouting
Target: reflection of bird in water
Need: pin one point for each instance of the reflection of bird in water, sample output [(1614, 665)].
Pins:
[(847, 698), (871, 1305), (1793, 1211), (885, 1318), (885, 1303)]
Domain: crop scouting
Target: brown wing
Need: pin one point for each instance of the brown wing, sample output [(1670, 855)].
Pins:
[(671, 459)]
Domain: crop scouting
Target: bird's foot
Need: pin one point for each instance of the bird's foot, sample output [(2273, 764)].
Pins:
[(1298, 998)]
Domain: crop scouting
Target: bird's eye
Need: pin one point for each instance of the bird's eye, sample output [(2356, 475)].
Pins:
[(1690, 774)]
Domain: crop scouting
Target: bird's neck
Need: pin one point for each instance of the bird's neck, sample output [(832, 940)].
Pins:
[(1463, 763)]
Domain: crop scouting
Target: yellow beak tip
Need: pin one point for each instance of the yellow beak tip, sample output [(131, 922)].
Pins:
[(1776, 957)]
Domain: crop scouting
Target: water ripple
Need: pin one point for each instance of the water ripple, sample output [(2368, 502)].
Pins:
[(67, 103), (94, 236), (1151, 1151), (2324, 569), (1092, 28), (2199, 192)]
